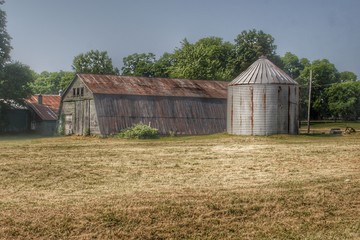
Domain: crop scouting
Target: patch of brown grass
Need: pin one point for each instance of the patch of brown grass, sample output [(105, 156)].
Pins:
[(216, 187)]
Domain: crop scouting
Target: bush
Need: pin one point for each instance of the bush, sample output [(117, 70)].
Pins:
[(139, 131)]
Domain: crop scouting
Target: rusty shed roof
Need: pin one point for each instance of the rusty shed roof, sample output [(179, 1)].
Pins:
[(49, 108), (128, 85), (263, 71)]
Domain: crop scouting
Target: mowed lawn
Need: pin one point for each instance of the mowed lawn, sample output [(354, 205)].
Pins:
[(204, 187)]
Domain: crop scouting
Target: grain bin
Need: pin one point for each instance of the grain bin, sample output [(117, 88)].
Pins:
[(263, 100)]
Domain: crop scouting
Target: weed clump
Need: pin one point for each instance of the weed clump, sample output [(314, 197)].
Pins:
[(139, 131)]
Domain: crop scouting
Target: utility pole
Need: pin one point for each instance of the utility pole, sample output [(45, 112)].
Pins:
[(309, 103)]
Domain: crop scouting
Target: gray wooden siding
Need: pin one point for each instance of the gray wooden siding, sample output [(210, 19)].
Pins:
[(83, 116), (184, 115)]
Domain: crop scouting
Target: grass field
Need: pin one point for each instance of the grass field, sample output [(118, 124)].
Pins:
[(205, 187)]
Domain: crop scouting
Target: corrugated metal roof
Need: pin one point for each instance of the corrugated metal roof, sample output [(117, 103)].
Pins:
[(263, 71), (126, 85), (52, 101), (48, 110)]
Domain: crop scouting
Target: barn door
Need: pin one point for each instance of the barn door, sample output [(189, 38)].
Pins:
[(68, 124)]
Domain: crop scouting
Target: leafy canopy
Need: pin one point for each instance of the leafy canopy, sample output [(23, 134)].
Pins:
[(5, 39), (344, 100), (210, 58), (94, 62), (51, 83)]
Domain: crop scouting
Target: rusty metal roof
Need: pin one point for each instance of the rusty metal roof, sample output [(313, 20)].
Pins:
[(263, 71), (48, 110), (128, 85)]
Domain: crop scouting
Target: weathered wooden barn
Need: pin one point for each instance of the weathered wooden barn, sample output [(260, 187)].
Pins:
[(106, 104)]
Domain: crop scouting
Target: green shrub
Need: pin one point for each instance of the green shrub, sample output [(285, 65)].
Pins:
[(139, 131)]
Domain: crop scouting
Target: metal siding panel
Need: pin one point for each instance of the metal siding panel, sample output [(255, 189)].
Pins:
[(185, 115), (245, 110), (282, 124), (271, 109), (259, 110)]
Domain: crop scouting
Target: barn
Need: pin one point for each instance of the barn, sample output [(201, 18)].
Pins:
[(106, 104), (43, 111)]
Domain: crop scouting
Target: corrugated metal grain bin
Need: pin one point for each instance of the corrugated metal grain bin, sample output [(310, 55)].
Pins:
[(263, 100)]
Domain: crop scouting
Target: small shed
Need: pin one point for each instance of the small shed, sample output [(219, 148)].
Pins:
[(14, 118), (263, 100), (43, 113), (106, 104)]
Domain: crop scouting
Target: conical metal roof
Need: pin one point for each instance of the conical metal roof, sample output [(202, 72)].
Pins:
[(263, 71)]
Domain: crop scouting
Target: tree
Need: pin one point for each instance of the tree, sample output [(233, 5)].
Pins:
[(139, 65), (51, 83), (347, 76), (15, 82), (344, 100), (206, 59), (163, 65), (5, 38), (250, 45), (94, 62), (292, 65), (324, 75)]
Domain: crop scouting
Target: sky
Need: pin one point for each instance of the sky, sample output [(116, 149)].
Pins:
[(48, 34)]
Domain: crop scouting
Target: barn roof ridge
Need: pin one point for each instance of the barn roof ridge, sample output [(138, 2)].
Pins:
[(263, 71), (153, 86)]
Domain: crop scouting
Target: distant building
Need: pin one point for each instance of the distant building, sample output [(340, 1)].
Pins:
[(14, 118), (106, 104), (43, 111)]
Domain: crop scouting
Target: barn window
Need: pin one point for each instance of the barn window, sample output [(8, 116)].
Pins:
[(82, 91), (77, 91), (74, 92)]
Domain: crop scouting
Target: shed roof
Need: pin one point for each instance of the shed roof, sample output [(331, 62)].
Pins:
[(129, 85), (48, 110), (263, 71)]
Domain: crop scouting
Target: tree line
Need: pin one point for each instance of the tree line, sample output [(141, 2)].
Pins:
[(335, 94)]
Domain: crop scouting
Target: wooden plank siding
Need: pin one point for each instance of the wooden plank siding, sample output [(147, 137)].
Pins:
[(184, 115)]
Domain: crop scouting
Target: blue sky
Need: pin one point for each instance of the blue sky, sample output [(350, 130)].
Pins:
[(48, 34)]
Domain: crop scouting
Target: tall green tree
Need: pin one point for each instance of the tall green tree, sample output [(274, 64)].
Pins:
[(344, 100), (347, 76), (51, 83), (324, 75), (94, 62), (292, 65), (15, 82), (163, 65), (206, 59), (142, 64), (5, 39), (250, 45)]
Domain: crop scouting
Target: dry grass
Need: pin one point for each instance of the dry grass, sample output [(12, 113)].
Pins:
[(208, 187)]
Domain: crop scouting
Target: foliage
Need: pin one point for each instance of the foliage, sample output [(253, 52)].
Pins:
[(206, 59), (250, 45), (51, 82), (324, 75), (15, 82), (94, 62), (139, 65), (139, 131), (209, 58), (347, 76), (5, 38), (343, 100), (292, 65)]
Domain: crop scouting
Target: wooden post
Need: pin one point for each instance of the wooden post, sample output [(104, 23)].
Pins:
[(309, 103)]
